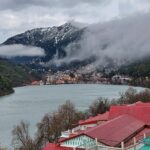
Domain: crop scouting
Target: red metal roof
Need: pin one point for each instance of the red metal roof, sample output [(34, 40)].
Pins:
[(52, 146), (113, 132), (138, 110), (139, 136), (91, 120), (124, 123)]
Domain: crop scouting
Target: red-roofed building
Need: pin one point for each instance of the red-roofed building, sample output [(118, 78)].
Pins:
[(111, 133), (37, 82), (86, 124), (119, 129), (95, 120), (138, 110), (52, 146), (120, 124)]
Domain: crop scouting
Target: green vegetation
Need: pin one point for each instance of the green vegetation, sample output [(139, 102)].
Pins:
[(99, 106), (5, 86), (129, 97), (139, 71), (12, 75)]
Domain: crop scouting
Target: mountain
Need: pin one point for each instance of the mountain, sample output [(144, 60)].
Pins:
[(52, 39), (108, 45), (111, 46)]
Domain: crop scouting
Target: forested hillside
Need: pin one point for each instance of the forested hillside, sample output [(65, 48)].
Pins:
[(139, 71), (12, 75), (5, 86)]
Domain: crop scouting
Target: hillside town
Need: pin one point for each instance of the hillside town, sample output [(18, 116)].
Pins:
[(123, 127), (74, 77)]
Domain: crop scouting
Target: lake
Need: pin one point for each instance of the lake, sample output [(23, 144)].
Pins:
[(30, 103)]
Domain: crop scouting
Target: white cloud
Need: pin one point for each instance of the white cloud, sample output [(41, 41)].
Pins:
[(20, 50), (120, 41), (19, 15)]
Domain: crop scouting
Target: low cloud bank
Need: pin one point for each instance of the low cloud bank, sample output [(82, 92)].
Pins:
[(20, 50), (117, 42)]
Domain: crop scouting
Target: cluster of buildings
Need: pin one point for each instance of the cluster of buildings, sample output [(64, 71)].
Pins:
[(81, 76), (125, 127), (37, 82), (61, 78), (120, 79), (70, 77)]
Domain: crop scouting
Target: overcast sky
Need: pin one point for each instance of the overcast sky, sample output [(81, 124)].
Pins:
[(19, 15)]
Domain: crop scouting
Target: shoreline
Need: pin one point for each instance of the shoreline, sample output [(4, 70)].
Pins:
[(89, 84), (30, 85), (7, 93), (12, 92)]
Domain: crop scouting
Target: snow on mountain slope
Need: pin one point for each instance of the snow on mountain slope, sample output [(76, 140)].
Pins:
[(51, 39), (110, 44)]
